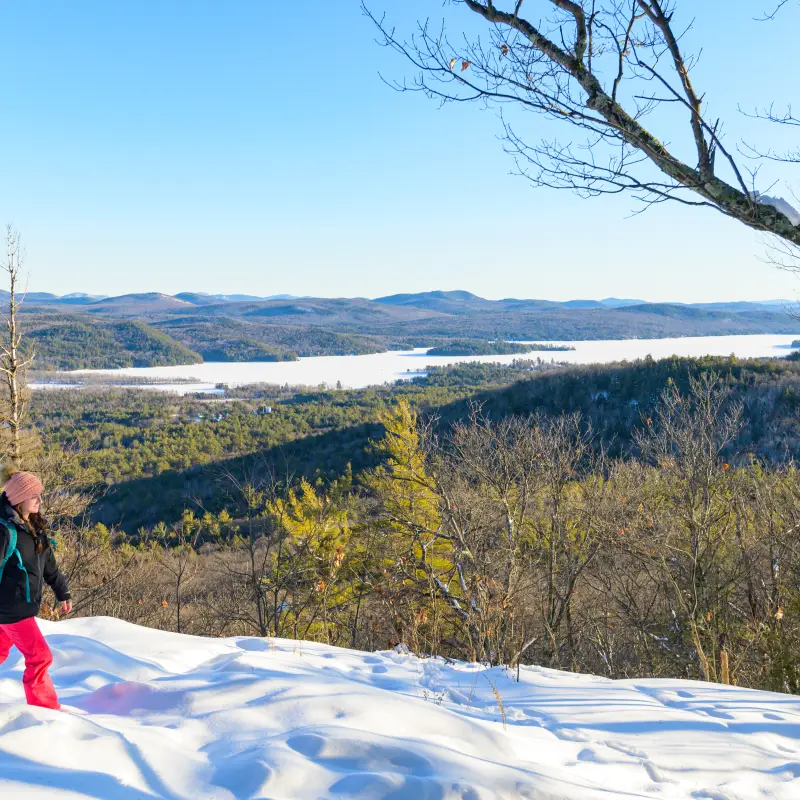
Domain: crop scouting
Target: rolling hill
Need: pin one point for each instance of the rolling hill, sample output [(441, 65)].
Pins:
[(75, 344), (244, 327)]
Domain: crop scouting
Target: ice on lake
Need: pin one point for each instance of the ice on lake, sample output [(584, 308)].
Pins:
[(368, 370)]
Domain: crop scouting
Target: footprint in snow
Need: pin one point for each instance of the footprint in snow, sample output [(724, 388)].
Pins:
[(667, 697), (656, 775), (255, 645), (455, 696), (22, 720), (549, 724), (532, 712), (571, 735), (533, 718), (625, 749), (369, 785), (714, 712), (587, 754), (244, 775), (365, 785), (352, 755)]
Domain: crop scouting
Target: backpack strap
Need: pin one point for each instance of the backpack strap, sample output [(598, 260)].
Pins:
[(11, 544), (11, 550)]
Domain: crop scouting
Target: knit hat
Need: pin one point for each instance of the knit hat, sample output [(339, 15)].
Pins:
[(21, 486)]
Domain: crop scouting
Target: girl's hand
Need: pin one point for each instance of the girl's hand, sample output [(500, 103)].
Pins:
[(66, 606)]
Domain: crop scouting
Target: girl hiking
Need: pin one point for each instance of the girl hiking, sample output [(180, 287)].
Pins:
[(26, 563)]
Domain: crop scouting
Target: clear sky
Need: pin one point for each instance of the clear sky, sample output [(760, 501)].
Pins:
[(250, 146)]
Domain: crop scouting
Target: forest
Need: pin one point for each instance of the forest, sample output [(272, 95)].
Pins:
[(93, 344), (632, 519), (148, 453)]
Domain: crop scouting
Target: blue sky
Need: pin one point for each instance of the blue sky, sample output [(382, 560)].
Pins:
[(250, 146)]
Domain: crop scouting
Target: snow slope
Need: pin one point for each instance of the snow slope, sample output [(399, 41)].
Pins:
[(162, 715)]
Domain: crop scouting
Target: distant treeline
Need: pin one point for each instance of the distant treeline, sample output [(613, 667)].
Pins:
[(476, 347)]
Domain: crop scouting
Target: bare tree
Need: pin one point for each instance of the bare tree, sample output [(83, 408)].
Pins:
[(176, 552), (599, 67), (13, 365), (692, 514)]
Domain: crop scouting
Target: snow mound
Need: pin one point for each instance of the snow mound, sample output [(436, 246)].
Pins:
[(150, 714)]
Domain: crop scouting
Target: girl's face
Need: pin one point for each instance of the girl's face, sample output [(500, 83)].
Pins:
[(30, 506)]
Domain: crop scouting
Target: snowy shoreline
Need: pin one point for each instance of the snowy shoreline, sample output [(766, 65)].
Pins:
[(355, 372)]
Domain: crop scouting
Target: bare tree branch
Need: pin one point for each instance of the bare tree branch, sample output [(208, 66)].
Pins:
[(768, 16), (579, 67)]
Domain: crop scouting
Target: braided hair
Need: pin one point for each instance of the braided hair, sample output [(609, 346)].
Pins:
[(36, 525)]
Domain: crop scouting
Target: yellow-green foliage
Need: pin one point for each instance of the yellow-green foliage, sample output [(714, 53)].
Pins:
[(316, 527), (314, 520), (402, 482), (412, 504)]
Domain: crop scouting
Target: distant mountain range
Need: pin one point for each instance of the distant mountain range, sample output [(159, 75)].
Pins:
[(451, 301), (198, 298), (443, 301)]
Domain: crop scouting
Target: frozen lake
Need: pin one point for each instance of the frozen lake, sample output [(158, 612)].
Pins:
[(360, 371)]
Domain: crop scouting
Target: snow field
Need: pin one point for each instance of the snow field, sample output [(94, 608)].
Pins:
[(151, 714)]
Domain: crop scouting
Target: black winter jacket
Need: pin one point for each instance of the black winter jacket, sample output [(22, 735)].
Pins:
[(41, 568)]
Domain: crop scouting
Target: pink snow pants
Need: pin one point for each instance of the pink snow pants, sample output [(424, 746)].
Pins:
[(39, 689)]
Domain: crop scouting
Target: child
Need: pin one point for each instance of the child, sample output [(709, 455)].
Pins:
[(26, 564)]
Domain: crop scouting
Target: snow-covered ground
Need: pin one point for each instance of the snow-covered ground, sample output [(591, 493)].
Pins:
[(160, 715), (368, 370)]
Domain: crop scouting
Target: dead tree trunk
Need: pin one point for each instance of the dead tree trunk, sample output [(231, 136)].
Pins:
[(13, 366)]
